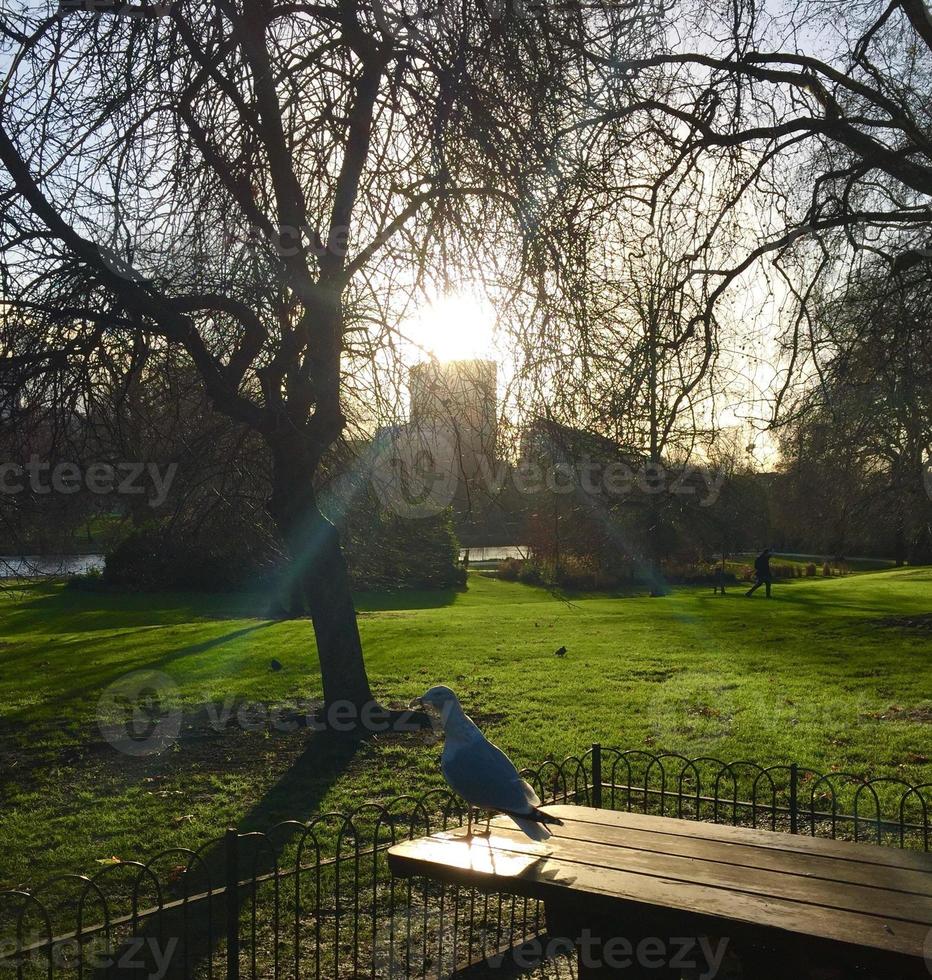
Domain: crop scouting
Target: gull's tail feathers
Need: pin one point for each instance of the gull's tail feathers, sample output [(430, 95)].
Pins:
[(544, 817), (534, 824), (533, 829)]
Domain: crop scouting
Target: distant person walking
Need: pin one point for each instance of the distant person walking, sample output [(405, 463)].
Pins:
[(763, 573)]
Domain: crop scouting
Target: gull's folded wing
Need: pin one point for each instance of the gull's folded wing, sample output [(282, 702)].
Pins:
[(484, 776)]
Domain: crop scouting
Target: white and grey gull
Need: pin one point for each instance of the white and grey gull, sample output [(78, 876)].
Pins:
[(480, 772)]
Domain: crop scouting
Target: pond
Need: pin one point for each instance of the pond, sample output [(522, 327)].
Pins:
[(495, 552), (34, 566)]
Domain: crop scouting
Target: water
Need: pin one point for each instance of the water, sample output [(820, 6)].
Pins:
[(495, 552), (34, 566)]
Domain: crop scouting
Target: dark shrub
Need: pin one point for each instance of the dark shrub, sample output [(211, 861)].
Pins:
[(230, 551), (697, 573), (509, 569), (530, 573), (209, 559), (384, 550)]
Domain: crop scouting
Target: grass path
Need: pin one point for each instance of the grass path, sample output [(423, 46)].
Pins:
[(817, 675)]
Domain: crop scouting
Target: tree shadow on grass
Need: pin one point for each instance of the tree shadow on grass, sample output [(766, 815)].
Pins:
[(93, 676), (828, 606), (200, 927), (36, 605), (195, 648)]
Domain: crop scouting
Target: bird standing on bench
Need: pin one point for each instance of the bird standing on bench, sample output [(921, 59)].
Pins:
[(480, 772)]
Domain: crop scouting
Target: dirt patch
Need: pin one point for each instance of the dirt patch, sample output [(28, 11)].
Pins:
[(899, 712), (211, 737), (922, 621)]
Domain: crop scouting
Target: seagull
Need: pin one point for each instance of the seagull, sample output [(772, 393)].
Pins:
[(480, 772)]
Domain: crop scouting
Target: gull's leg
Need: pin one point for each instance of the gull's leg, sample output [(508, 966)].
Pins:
[(487, 832), (469, 822)]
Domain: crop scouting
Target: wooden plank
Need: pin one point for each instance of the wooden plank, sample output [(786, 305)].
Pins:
[(756, 952), (770, 840), (894, 878), (539, 874), (765, 881)]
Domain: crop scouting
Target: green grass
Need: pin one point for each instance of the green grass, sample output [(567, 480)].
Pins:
[(817, 675)]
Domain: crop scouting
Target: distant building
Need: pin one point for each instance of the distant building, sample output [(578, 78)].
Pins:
[(543, 439), (446, 451), (458, 400)]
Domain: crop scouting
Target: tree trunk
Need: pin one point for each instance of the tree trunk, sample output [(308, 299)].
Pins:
[(318, 575), (655, 548), (899, 540)]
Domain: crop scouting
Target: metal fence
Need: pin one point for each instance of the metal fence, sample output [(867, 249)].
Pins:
[(316, 899)]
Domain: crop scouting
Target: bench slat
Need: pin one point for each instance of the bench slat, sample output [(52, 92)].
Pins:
[(775, 881), (775, 841), (823, 889)]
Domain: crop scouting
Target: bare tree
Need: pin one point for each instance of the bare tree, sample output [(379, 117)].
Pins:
[(820, 125), (825, 120), (861, 431), (628, 363), (263, 186)]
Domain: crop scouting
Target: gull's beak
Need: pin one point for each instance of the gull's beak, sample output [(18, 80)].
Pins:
[(417, 703)]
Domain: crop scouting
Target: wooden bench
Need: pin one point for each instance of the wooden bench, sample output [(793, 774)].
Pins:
[(629, 891)]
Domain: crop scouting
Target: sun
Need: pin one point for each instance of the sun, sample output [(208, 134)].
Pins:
[(453, 327)]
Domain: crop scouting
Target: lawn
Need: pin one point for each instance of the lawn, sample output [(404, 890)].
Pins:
[(825, 674)]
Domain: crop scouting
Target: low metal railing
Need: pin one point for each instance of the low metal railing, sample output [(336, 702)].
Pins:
[(316, 898)]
